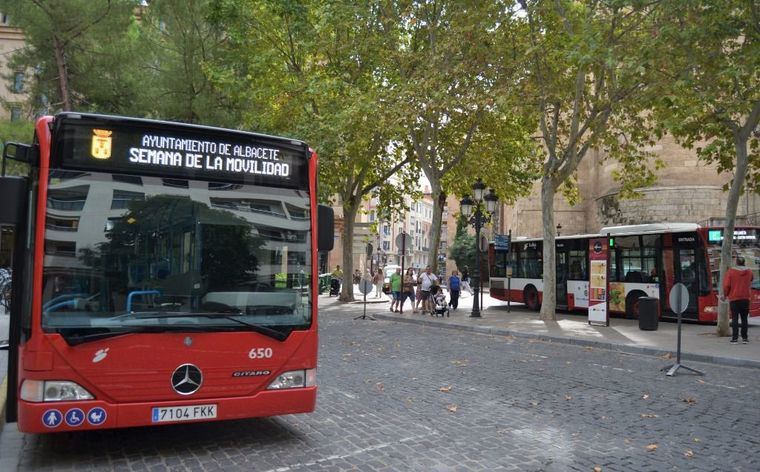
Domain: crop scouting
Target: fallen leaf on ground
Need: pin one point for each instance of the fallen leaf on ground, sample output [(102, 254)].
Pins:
[(445, 389), (697, 440), (648, 415), (597, 469), (689, 453), (452, 408), (667, 355), (534, 403), (568, 397), (689, 400), (652, 447), (380, 386), (645, 396), (700, 381), (588, 348)]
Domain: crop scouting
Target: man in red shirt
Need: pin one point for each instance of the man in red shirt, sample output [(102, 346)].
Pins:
[(736, 287)]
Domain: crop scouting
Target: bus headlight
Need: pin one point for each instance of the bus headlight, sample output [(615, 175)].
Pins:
[(294, 379), (53, 391)]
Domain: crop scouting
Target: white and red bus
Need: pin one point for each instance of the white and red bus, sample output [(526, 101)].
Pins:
[(644, 260), (163, 273)]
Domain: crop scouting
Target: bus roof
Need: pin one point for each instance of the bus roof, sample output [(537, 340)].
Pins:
[(650, 228)]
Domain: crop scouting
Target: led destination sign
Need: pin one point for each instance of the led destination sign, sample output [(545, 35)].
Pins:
[(145, 147)]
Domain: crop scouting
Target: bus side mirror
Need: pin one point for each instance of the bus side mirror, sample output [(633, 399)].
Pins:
[(13, 195), (325, 228), (20, 152)]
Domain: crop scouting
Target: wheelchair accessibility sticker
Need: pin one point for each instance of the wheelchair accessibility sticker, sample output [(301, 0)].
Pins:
[(74, 417)]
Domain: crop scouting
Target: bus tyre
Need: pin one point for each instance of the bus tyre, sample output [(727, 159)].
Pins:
[(530, 296), (632, 304)]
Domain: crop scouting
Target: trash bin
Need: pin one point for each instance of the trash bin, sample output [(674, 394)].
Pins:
[(649, 310)]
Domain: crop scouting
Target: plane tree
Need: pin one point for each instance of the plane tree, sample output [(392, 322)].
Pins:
[(451, 71), (588, 80), (710, 53), (316, 71)]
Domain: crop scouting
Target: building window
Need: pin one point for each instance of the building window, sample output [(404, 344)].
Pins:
[(122, 199), (386, 245), (3, 19), (15, 113), (18, 82)]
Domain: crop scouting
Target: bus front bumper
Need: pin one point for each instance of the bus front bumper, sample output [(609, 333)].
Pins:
[(53, 417)]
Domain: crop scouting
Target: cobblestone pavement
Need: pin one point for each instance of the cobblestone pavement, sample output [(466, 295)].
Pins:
[(396, 397)]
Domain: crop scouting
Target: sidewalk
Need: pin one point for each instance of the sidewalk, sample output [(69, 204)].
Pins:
[(698, 342)]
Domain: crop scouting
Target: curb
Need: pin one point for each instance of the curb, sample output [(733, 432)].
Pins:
[(648, 351)]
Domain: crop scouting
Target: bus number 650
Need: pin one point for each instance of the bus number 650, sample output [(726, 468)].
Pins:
[(260, 353)]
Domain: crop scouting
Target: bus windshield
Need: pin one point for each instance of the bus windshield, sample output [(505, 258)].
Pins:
[(125, 252)]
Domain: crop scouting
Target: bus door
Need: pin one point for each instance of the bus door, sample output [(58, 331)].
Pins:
[(561, 274), (687, 268)]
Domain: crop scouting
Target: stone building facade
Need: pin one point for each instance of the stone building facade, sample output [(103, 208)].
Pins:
[(687, 190), (12, 82)]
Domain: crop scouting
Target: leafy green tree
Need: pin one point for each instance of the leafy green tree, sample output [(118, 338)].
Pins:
[(588, 80), (314, 70), (451, 66), (178, 43), (711, 97), (77, 52), (462, 250)]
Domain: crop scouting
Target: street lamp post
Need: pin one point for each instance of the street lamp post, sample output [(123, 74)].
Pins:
[(478, 219)]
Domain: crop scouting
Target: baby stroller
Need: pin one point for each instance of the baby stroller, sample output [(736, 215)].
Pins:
[(441, 307), (334, 287)]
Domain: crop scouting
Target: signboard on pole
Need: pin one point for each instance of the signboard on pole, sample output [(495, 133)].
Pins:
[(597, 290), (502, 242)]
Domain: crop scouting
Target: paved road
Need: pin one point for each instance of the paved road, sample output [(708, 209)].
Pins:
[(405, 397)]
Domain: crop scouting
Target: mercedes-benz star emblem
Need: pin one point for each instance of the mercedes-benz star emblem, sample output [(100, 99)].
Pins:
[(187, 379)]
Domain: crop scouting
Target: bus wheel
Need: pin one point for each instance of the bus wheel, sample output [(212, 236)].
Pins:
[(632, 304), (530, 295)]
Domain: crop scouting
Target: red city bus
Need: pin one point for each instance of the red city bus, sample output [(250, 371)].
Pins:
[(644, 260), (163, 273)]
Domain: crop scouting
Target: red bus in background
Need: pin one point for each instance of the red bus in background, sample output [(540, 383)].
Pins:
[(645, 260), (163, 273)]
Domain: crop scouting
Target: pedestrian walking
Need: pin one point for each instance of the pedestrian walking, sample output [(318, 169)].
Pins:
[(736, 288), (466, 279), (407, 289), (357, 277), (396, 282), (427, 280), (454, 287), (377, 279)]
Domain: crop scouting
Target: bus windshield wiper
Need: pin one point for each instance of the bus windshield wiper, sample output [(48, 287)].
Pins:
[(272, 333), (75, 338)]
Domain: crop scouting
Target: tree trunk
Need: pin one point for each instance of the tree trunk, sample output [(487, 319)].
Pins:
[(350, 208), (63, 78), (439, 200), (734, 193), (549, 302)]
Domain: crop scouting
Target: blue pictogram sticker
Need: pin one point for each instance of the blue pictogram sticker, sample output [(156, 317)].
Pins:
[(74, 417), (96, 416), (52, 418)]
